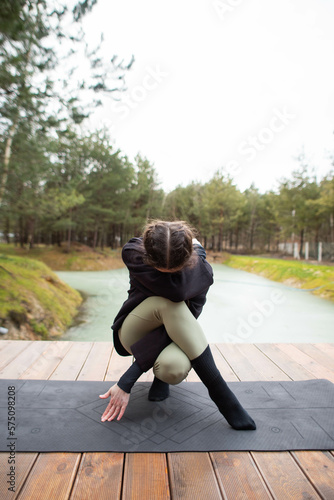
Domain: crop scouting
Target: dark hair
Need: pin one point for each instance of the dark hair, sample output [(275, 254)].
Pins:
[(168, 245)]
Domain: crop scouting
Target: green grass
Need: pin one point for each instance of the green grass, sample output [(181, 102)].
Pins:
[(78, 258), (32, 295), (317, 278)]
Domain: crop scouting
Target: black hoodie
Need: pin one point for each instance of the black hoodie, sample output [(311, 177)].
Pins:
[(191, 285)]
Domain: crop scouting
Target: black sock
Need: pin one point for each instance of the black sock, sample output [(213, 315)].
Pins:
[(159, 390), (219, 392), (129, 378)]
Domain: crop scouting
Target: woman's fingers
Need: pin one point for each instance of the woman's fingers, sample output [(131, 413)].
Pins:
[(117, 404), (106, 413), (122, 412), (112, 414), (105, 395)]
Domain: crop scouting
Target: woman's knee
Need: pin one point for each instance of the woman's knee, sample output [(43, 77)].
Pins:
[(172, 366), (170, 374)]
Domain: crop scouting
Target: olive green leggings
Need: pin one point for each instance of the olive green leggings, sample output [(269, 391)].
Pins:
[(173, 363)]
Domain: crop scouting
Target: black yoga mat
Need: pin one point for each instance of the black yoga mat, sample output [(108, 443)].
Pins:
[(66, 416)]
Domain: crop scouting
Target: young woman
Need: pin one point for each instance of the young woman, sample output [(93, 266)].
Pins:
[(157, 324)]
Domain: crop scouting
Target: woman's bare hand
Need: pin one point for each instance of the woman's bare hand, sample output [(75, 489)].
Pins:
[(117, 404)]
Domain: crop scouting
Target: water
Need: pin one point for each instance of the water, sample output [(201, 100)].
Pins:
[(105, 291), (241, 307)]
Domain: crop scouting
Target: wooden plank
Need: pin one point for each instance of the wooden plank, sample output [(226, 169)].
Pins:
[(23, 464), (261, 363), (306, 361), (318, 466), (327, 348), (145, 477), (222, 365), (192, 476), (238, 476), (10, 349), (13, 345), (47, 362), (316, 354), (283, 477), (71, 365), (26, 358), (117, 366), (240, 363), (99, 477), (147, 376), (5, 343), (286, 364), (96, 364), (51, 476)]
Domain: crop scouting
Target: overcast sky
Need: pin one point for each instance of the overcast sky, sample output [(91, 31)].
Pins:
[(239, 84)]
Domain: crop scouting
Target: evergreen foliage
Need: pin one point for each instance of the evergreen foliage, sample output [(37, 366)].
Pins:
[(59, 184)]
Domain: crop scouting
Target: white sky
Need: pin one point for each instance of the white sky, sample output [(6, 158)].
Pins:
[(223, 74)]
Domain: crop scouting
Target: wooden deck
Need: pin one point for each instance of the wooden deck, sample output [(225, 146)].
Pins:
[(148, 476)]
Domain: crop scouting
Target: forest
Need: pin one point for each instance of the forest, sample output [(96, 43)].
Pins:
[(60, 183)]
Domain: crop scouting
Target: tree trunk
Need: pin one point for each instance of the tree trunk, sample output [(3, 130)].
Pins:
[(236, 239), (112, 237), (220, 238), (98, 244), (69, 236), (59, 238), (95, 238), (30, 232), (331, 225), (251, 242), (301, 242), (7, 155), (121, 235), (103, 239), (7, 230), (21, 232)]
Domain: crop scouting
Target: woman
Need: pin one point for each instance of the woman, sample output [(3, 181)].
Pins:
[(169, 280)]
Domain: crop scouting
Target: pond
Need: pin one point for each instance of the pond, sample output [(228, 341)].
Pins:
[(241, 307)]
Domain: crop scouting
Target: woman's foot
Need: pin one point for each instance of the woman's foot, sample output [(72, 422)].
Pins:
[(229, 406), (220, 393), (159, 390)]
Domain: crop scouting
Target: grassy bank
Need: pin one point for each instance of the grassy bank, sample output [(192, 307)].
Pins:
[(34, 302), (78, 258), (317, 278)]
